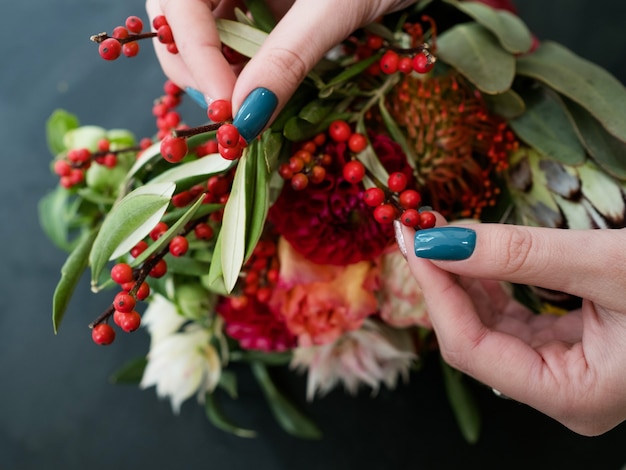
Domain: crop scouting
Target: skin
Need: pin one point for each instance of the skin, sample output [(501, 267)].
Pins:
[(569, 367)]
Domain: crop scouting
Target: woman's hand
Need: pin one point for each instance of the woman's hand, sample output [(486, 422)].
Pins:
[(571, 367)]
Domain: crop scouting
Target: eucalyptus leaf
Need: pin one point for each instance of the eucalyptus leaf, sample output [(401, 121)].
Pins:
[(463, 403), (582, 81), (53, 218), (71, 273), (243, 38), (216, 416), (205, 166), (57, 125), (546, 127), (233, 232), (476, 53), (290, 418), (129, 221), (606, 150), (509, 104), (130, 373), (510, 30)]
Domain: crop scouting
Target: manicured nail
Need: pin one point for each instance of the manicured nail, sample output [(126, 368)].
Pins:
[(198, 97), (255, 112), (445, 243)]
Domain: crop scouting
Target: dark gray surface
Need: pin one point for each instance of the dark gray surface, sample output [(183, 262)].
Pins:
[(57, 410)]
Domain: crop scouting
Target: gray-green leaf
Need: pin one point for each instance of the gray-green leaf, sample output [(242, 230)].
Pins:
[(243, 38), (57, 125), (463, 403)]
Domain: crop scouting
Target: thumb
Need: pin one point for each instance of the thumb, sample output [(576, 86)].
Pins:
[(585, 263), (307, 31)]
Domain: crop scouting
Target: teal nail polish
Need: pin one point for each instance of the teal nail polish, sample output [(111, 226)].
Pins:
[(255, 112), (445, 243), (197, 96)]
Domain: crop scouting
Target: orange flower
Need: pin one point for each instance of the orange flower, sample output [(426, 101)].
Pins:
[(318, 302)]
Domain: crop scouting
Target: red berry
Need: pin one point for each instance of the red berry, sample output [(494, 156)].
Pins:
[(170, 88), (158, 230), (130, 49), (405, 64), (179, 245), (219, 111), (124, 302), (227, 136), (299, 181), (182, 199), (127, 321), (423, 63), (410, 199), (171, 48), (110, 49), (121, 273), (230, 153), (174, 149), (134, 24), (427, 219), (374, 197), (384, 214), (317, 174), (389, 62), (103, 334), (357, 142), (217, 185), (410, 217), (139, 248), (62, 168), (158, 21), (164, 34), (397, 181), (203, 231), (354, 171), (144, 291), (159, 269), (104, 145), (119, 32), (339, 130), (374, 41)]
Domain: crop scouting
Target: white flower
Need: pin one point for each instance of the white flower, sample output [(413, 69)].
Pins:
[(401, 300), (180, 363), (372, 355)]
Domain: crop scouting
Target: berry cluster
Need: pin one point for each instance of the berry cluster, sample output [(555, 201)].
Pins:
[(421, 62), (259, 275), (123, 39)]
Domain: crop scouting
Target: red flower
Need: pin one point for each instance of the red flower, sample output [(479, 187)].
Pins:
[(500, 5)]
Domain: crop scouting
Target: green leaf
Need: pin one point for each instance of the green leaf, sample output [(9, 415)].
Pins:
[(463, 403), (271, 145), (71, 273), (546, 127), (261, 14), (315, 111), (243, 38), (509, 104), (398, 136), (130, 373), (290, 418), (258, 198), (228, 383), (166, 238), (214, 280), (216, 416), (582, 81), (269, 359), (606, 150), (53, 218), (57, 125), (233, 232), (84, 137), (187, 266), (205, 166), (352, 71), (129, 221), (474, 51), (507, 27)]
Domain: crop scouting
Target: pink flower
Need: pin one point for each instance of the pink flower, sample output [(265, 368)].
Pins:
[(319, 303), (401, 297)]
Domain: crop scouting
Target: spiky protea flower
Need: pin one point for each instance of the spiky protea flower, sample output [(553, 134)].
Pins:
[(458, 146)]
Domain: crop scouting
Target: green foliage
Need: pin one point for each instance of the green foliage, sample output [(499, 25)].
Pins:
[(58, 124), (130, 373), (463, 403)]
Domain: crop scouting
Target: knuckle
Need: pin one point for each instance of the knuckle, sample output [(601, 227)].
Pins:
[(286, 65), (518, 243)]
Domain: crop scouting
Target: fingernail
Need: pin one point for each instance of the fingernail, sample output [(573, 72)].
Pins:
[(397, 228), (255, 112), (445, 243), (198, 97)]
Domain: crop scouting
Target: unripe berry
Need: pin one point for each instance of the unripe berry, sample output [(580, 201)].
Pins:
[(354, 171), (103, 334)]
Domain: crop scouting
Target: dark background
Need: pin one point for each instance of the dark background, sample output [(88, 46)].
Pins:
[(57, 408)]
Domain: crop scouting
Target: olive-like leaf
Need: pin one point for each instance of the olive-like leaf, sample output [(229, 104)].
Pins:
[(243, 38), (233, 232), (510, 30), (258, 197), (580, 80), (352, 71), (216, 416), (130, 373), (214, 280), (605, 149), (205, 166), (57, 125), (290, 418), (315, 111), (129, 221), (71, 273), (187, 266), (546, 127), (463, 403), (398, 136), (147, 156), (476, 53), (53, 218)]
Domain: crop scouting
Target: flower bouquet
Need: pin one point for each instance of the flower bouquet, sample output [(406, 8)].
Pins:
[(281, 250)]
